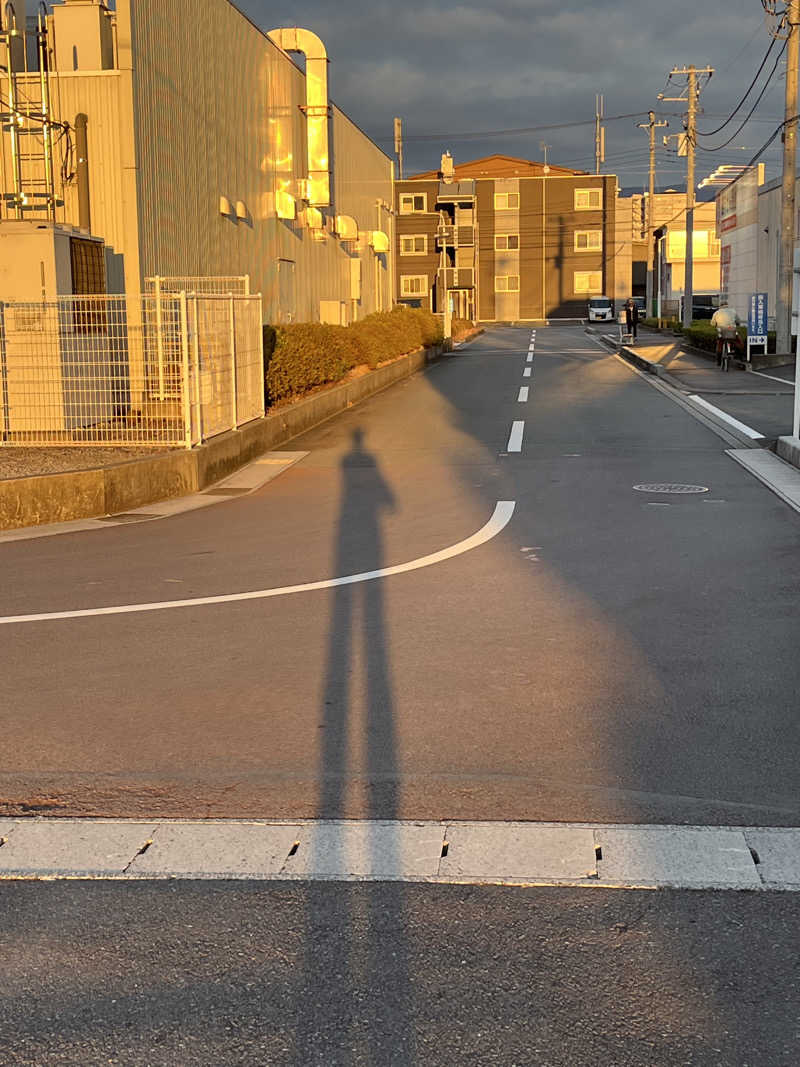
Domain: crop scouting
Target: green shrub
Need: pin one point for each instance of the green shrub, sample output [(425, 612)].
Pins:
[(304, 355), (307, 354)]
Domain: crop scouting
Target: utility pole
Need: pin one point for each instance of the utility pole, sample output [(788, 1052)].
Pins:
[(398, 145), (651, 126), (599, 132), (783, 311), (692, 93)]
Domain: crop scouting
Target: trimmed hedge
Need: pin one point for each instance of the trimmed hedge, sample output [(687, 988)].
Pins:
[(703, 335), (308, 354)]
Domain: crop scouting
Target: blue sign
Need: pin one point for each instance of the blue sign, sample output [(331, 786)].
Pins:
[(757, 319)]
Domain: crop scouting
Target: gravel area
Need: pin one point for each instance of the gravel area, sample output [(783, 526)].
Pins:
[(22, 462)]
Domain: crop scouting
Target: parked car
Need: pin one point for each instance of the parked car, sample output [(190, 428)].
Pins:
[(601, 309)]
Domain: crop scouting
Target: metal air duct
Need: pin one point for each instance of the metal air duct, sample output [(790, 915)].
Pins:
[(317, 108)]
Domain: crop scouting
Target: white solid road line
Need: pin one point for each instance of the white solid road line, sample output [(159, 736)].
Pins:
[(499, 520), (526, 373), (748, 431), (588, 855), (772, 378), (515, 439), (523, 394)]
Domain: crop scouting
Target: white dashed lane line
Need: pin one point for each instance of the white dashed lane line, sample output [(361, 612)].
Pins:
[(530, 357), (515, 439), (523, 394), (526, 373)]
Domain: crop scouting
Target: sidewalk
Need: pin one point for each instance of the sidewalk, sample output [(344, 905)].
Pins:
[(762, 400)]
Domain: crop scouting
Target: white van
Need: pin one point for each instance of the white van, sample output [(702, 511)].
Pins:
[(601, 309)]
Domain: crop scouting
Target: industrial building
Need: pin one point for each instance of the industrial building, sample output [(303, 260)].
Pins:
[(510, 240), (178, 143)]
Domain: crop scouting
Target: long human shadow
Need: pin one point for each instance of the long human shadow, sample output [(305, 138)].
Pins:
[(345, 920)]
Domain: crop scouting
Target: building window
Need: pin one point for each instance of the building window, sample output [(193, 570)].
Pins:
[(506, 201), (588, 199), (413, 203), (506, 283), (588, 281), (414, 245), (506, 242), (413, 285), (588, 240)]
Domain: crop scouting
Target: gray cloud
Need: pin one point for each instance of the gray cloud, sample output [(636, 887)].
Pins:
[(463, 67)]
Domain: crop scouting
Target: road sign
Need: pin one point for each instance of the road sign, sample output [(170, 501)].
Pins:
[(757, 320)]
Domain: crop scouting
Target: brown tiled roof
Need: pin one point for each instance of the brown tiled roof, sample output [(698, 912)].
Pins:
[(498, 166)]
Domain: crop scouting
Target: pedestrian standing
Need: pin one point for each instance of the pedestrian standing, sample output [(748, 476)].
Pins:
[(632, 317)]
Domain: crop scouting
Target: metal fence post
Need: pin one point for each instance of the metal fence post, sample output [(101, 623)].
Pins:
[(198, 403), (159, 338), (186, 399), (234, 397)]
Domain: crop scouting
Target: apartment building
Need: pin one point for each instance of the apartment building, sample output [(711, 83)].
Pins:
[(191, 143), (669, 217), (508, 239)]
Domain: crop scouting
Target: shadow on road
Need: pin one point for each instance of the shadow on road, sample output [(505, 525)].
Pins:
[(357, 643)]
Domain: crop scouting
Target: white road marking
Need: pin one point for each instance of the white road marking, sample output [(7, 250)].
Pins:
[(523, 394), (530, 357), (515, 440), (496, 524), (748, 431), (773, 378), (586, 855), (526, 373)]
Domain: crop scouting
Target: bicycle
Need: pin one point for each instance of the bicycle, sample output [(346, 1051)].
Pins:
[(724, 346)]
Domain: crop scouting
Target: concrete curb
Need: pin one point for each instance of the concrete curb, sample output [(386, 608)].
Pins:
[(55, 498), (510, 853)]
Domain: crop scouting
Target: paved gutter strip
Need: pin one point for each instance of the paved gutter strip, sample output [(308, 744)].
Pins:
[(513, 853)]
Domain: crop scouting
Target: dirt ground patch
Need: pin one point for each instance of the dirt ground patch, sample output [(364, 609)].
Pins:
[(24, 462)]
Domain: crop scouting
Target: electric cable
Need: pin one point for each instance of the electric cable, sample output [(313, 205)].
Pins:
[(759, 98), (712, 133)]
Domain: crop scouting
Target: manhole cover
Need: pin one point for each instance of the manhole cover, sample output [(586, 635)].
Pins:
[(670, 487)]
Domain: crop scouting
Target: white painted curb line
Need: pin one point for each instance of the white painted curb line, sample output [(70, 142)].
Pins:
[(513, 853)]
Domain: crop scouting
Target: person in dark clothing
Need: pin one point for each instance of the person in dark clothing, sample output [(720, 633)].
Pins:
[(632, 317)]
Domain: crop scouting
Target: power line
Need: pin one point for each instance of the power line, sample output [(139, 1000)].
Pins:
[(759, 98), (488, 134), (711, 133)]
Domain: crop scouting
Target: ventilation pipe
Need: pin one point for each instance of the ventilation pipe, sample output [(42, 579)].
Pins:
[(317, 108), (82, 172)]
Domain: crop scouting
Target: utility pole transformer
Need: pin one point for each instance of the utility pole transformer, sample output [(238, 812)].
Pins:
[(692, 93), (783, 311), (651, 126)]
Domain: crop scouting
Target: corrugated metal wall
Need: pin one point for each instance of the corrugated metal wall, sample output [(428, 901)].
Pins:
[(204, 106), (218, 113)]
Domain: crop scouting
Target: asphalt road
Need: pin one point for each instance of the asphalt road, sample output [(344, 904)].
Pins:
[(326, 975), (611, 656)]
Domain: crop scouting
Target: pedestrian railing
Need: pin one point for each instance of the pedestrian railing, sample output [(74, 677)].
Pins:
[(162, 370)]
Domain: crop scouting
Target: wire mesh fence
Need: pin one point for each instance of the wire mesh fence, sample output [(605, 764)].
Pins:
[(166, 369), (221, 285)]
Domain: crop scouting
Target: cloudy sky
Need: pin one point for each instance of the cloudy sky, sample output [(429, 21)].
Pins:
[(458, 71)]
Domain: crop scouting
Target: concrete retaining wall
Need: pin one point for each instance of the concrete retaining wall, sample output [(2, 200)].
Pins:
[(135, 483)]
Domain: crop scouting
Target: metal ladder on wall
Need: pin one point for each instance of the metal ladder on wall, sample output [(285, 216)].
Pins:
[(26, 120)]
